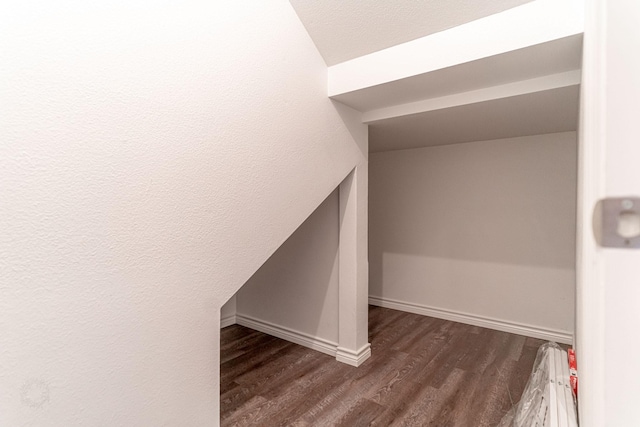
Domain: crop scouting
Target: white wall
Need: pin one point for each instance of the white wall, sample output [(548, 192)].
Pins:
[(297, 288), (153, 156), (484, 230)]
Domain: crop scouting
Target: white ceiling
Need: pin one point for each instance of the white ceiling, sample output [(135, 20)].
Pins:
[(347, 29), (536, 113)]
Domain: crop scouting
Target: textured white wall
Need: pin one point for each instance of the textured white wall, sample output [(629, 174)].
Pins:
[(297, 288), (482, 228), (153, 155)]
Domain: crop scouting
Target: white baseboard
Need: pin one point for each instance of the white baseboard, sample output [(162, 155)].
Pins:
[(475, 320), (352, 358), (228, 321), (305, 340)]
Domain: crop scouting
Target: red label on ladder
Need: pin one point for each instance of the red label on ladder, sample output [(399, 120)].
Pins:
[(573, 371)]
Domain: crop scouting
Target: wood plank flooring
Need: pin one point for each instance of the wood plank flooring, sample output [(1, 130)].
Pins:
[(423, 372)]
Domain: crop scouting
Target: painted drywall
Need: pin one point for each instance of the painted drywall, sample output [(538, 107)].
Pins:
[(153, 156), (228, 312), (345, 30), (484, 229), (297, 288), (536, 22), (539, 112)]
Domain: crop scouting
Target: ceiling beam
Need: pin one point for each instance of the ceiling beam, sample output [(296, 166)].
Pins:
[(555, 81), (531, 24)]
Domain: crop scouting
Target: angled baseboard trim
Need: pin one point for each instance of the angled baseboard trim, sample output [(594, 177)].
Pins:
[(475, 320), (352, 358), (228, 321), (301, 338)]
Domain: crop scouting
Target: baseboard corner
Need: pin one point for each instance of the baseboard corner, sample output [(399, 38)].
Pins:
[(353, 358), (228, 321)]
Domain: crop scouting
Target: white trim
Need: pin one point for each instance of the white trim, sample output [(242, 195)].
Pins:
[(590, 289), (352, 358), (305, 340), (228, 321), (523, 87), (473, 319)]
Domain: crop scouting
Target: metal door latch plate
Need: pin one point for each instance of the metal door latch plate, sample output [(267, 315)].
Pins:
[(620, 222)]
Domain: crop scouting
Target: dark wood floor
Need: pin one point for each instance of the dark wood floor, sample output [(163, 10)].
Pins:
[(422, 372)]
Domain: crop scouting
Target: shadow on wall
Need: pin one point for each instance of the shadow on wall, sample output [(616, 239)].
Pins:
[(507, 201), (353, 121), (451, 224), (297, 287)]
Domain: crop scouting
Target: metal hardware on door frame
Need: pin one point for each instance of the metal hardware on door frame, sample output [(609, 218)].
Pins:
[(618, 215)]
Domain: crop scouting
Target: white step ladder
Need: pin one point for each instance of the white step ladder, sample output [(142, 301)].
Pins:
[(547, 400), (562, 407)]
